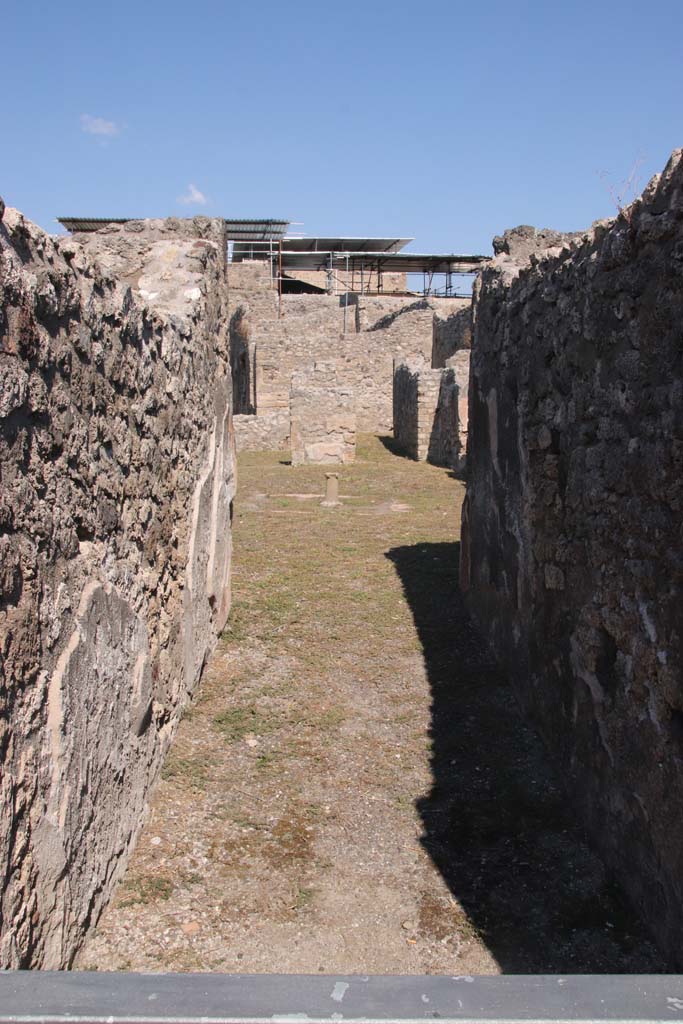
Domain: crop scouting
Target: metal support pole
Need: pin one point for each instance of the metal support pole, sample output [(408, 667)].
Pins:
[(279, 280), (346, 292)]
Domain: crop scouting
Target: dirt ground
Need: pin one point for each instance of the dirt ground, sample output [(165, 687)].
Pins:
[(353, 789)]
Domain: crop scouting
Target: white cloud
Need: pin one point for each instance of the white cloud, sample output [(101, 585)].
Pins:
[(193, 197), (98, 126)]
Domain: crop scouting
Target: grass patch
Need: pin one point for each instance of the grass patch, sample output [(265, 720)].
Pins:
[(236, 723), (237, 627), (304, 898), (191, 770), (266, 762), (145, 889)]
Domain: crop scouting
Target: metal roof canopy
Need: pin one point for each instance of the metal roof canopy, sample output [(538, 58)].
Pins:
[(349, 243), (91, 223), (396, 262), (242, 250), (255, 230), (244, 229)]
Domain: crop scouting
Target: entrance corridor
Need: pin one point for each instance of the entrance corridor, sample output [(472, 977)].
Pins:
[(353, 789)]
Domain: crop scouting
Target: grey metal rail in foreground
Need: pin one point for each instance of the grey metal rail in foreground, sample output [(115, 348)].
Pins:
[(43, 997)]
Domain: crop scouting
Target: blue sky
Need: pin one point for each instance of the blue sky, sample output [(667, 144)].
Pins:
[(447, 121)]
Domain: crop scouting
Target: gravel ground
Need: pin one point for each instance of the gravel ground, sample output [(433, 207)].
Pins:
[(353, 789)]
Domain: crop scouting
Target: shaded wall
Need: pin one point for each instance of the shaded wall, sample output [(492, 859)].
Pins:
[(425, 404), (572, 546), (116, 460)]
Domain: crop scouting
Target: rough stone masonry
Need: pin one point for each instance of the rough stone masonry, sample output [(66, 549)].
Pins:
[(116, 469), (426, 414), (322, 416), (364, 335), (572, 553)]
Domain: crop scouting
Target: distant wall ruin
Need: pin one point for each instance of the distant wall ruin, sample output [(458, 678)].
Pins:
[(426, 415), (363, 334), (571, 549), (322, 416), (116, 460)]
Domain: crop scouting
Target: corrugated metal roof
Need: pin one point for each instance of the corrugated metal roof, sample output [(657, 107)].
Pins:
[(246, 251), (243, 229), (90, 223), (345, 244), (397, 262), (255, 230)]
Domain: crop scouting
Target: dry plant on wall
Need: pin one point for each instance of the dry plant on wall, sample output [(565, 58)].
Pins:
[(624, 192)]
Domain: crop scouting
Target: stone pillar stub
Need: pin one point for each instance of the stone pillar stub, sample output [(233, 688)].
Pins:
[(331, 499)]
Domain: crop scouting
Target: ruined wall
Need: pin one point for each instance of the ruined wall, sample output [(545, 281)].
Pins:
[(116, 462), (425, 404), (405, 410), (459, 363), (322, 417), (571, 551), (380, 330), (266, 432), (452, 331)]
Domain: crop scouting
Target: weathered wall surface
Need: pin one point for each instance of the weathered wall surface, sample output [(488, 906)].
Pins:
[(572, 546), (405, 409), (459, 363), (452, 331), (364, 334), (267, 432), (116, 461), (425, 403), (322, 417)]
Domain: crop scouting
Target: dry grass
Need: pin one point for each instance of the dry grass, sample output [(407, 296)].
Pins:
[(312, 809)]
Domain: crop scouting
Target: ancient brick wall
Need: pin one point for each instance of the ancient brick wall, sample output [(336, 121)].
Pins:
[(572, 547), (116, 461), (425, 404), (322, 417)]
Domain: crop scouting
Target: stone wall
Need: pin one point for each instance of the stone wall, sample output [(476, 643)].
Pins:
[(116, 461), (452, 332), (572, 545), (322, 417), (268, 432), (405, 410), (459, 363), (425, 403), (364, 335)]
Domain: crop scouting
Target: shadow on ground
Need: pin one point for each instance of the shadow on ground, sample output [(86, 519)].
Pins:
[(392, 446), (496, 823)]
